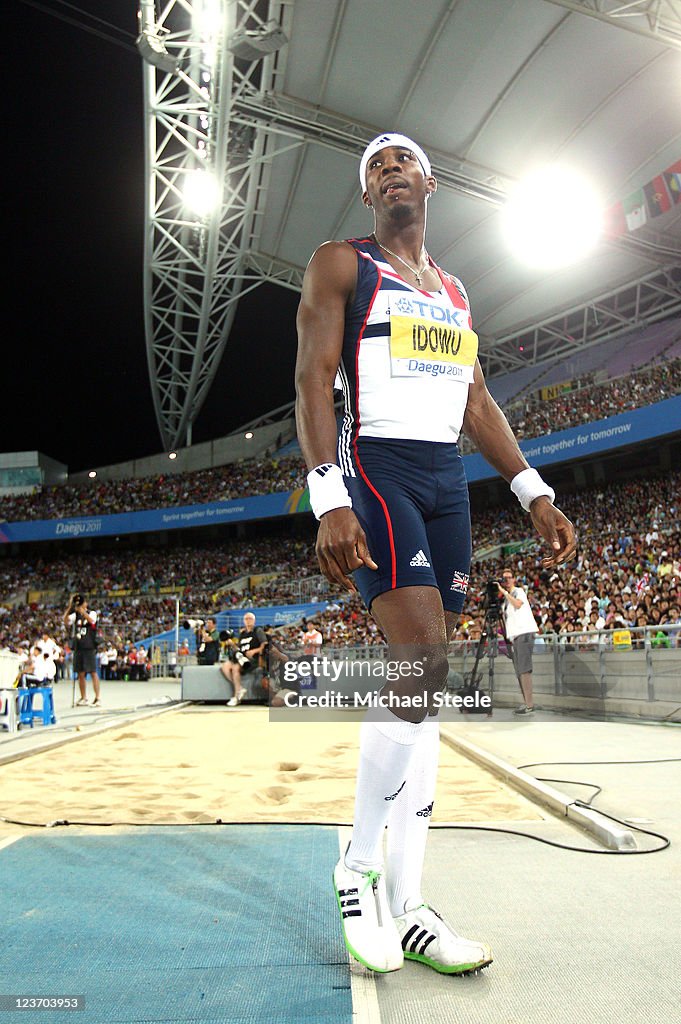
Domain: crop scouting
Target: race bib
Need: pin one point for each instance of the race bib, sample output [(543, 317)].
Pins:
[(422, 348)]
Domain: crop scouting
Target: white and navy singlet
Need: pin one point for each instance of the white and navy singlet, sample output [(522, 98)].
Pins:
[(407, 360)]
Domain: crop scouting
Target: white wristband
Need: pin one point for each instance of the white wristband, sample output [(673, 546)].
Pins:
[(327, 490), (528, 485)]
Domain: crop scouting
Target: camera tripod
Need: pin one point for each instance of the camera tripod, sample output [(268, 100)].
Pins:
[(489, 632)]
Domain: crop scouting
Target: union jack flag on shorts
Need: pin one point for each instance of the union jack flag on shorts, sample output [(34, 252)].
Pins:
[(460, 582)]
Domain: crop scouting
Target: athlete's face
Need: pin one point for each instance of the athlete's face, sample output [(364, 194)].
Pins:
[(395, 176)]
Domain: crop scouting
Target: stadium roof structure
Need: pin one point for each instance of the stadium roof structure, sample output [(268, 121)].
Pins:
[(277, 98)]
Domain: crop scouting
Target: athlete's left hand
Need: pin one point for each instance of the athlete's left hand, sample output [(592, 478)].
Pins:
[(554, 527)]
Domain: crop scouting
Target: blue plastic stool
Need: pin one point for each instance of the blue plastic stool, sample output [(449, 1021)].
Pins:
[(28, 712)]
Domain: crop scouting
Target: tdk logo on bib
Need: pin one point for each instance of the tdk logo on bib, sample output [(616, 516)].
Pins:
[(405, 306), (430, 311)]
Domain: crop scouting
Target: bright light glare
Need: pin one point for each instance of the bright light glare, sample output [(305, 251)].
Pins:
[(172, 456), (92, 474), (208, 18), (201, 192), (552, 218), (248, 435)]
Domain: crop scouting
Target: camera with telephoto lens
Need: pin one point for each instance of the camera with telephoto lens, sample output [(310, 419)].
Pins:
[(192, 623), (76, 600), (493, 599)]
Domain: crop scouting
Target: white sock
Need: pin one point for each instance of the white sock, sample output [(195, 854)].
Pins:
[(409, 821), (385, 749)]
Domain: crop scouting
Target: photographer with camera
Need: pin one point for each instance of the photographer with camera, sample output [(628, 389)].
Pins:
[(207, 640), (208, 650), (521, 629), (247, 654), (83, 624)]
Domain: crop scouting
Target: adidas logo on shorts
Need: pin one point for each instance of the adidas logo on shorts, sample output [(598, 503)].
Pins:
[(420, 559)]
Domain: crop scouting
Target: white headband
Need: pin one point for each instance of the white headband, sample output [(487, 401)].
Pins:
[(390, 139)]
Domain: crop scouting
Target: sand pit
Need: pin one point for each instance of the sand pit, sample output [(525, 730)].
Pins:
[(203, 763)]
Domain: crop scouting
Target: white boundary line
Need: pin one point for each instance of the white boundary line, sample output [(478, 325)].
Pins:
[(8, 840), (365, 1009)]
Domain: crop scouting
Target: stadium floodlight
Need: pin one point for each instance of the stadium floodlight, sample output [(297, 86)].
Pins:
[(207, 18), (92, 474), (552, 218), (172, 456), (248, 435), (252, 44), (201, 192)]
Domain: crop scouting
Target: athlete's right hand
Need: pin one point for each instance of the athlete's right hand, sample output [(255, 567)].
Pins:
[(342, 547)]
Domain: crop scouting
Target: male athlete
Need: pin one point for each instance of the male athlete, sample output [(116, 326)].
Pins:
[(380, 317)]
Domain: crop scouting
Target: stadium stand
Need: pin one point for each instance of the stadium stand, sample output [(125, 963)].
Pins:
[(629, 556), (628, 570), (532, 416)]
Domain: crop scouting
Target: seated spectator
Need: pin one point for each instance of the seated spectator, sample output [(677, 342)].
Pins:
[(247, 654)]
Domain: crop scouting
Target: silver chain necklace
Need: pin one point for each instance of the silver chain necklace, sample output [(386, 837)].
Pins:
[(416, 272)]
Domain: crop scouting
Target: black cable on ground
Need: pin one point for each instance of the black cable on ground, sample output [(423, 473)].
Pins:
[(574, 782), (666, 842), (342, 824), (546, 764)]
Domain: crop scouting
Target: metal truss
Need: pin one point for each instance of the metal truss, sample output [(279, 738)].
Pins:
[(201, 57), (303, 122), (655, 19), (637, 304), (260, 267), (213, 104)]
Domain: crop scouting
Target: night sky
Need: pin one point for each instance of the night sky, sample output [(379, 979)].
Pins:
[(76, 385)]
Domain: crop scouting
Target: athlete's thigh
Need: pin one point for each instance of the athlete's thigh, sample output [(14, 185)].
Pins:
[(449, 540), (411, 616), (394, 526)]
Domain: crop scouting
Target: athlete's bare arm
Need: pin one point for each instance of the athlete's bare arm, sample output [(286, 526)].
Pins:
[(486, 425), (328, 286)]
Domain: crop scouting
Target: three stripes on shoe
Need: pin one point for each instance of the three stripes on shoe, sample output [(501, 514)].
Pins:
[(410, 942), (416, 940), (345, 901)]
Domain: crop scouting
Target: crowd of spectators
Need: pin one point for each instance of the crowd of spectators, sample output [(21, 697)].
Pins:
[(130, 591), (187, 570), (628, 567), (106, 497), (586, 402), (627, 573)]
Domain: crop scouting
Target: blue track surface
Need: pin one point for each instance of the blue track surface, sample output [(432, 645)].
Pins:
[(225, 924)]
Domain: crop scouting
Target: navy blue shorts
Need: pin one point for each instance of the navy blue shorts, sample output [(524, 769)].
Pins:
[(411, 499)]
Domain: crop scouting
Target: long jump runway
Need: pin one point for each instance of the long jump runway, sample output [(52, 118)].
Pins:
[(230, 923)]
